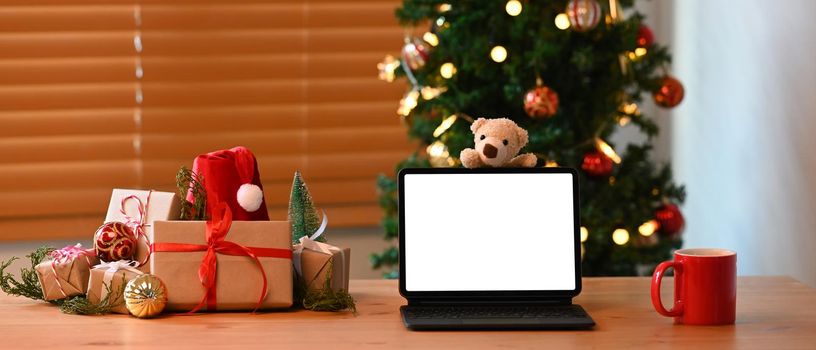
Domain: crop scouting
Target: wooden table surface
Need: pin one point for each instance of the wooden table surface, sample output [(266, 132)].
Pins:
[(772, 313)]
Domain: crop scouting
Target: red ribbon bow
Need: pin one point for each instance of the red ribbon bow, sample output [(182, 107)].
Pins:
[(217, 228)]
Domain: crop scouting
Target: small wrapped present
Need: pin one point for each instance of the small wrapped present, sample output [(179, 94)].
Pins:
[(316, 261), (139, 209), (223, 264), (112, 276), (66, 273)]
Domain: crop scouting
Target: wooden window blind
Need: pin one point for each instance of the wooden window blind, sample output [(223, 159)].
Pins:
[(103, 94)]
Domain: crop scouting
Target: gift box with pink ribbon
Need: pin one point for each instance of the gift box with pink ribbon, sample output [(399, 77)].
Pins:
[(65, 274)]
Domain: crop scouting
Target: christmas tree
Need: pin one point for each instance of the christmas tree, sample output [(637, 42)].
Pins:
[(303, 216), (568, 72)]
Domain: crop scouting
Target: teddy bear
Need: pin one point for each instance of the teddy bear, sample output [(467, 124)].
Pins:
[(497, 143)]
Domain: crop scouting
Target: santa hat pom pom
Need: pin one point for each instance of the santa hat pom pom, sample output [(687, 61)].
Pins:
[(250, 197)]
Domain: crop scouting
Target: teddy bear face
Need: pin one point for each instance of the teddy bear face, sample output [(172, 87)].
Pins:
[(497, 140)]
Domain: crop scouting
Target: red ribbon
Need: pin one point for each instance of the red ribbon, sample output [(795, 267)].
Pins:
[(217, 228)]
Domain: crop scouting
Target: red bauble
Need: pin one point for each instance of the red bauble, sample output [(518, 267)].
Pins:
[(670, 93), (597, 164), (114, 241), (670, 219), (541, 102), (645, 37)]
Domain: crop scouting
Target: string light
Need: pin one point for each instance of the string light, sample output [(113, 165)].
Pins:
[(444, 126), (430, 38), (513, 8), (387, 68), (498, 53), (429, 92), (630, 108), (620, 236), (648, 228), (447, 70), (624, 64), (638, 53), (444, 7), (614, 10), (584, 234), (550, 164), (438, 155), (562, 21), (441, 23), (408, 102), (607, 150), (437, 149)]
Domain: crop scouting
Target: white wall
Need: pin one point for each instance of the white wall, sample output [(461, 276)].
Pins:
[(743, 140)]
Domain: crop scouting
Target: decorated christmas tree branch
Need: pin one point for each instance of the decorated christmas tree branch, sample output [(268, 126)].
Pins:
[(187, 181), (29, 285)]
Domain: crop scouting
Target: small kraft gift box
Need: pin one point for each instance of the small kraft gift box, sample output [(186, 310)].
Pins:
[(222, 264), (111, 277), (66, 273), (316, 261), (139, 209)]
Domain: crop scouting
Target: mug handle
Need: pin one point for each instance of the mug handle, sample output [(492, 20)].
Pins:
[(677, 309)]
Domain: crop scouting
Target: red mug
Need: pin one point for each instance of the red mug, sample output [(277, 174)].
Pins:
[(705, 286)]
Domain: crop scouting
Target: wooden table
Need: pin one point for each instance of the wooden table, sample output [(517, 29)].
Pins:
[(772, 313)]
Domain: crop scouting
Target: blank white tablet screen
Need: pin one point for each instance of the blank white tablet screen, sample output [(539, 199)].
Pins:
[(489, 232)]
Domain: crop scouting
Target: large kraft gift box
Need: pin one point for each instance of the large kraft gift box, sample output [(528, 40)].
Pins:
[(65, 277), (315, 266), (238, 278), (161, 206), (114, 277)]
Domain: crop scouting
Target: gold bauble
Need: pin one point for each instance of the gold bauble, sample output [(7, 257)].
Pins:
[(145, 296)]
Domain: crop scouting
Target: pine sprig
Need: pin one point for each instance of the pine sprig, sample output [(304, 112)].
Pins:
[(323, 299), (81, 305), (29, 285), (186, 181)]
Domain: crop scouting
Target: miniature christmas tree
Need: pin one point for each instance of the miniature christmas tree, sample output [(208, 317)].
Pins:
[(303, 215), (570, 73)]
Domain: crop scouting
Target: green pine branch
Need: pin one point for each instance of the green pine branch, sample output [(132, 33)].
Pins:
[(324, 298), (29, 284), (187, 181), (81, 305)]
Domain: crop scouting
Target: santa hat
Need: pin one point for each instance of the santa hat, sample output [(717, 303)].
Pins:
[(231, 176)]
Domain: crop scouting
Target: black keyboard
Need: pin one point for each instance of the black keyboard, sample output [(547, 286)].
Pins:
[(528, 316)]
